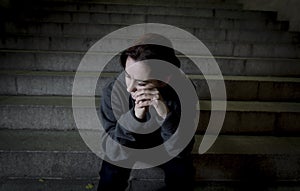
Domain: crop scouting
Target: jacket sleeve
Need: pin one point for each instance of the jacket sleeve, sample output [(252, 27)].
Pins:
[(170, 127), (116, 134)]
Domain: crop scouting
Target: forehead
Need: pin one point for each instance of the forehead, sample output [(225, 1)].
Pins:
[(138, 69)]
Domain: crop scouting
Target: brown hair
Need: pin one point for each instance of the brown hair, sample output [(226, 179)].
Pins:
[(151, 46)]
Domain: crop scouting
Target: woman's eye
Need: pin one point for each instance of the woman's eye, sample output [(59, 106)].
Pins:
[(142, 84)]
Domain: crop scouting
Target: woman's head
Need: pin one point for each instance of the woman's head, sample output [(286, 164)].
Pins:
[(151, 46), (139, 68)]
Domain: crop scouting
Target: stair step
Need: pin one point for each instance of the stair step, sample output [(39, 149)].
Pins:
[(223, 48), (65, 184), (13, 30), (60, 83), (217, 12), (232, 158), (69, 61), (233, 5), (55, 112), (90, 16), (94, 2), (48, 184), (179, 21)]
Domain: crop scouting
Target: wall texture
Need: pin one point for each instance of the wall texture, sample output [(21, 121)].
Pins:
[(287, 9)]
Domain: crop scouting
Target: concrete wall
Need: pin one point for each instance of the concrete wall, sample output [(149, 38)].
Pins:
[(287, 9)]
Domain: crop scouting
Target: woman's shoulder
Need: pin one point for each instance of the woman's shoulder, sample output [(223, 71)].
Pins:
[(114, 86)]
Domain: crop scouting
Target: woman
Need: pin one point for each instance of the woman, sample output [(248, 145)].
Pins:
[(149, 117)]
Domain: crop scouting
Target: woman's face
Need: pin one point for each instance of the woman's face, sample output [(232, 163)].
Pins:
[(138, 74)]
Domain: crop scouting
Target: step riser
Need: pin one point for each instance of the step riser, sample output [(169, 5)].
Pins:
[(138, 185), (70, 61), (45, 164), (47, 184), (254, 123), (188, 4), (150, 185), (249, 90), (261, 37), (61, 118), (91, 16), (251, 168), (62, 85), (209, 167), (217, 49), (129, 19), (157, 10), (87, 30)]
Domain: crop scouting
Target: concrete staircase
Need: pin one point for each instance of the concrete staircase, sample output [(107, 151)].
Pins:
[(42, 43)]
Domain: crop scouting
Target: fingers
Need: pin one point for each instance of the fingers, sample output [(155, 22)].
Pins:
[(146, 94), (148, 102), (140, 111), (147, 86), (161, 109), (146, 97), (150, 97), (143, 104)]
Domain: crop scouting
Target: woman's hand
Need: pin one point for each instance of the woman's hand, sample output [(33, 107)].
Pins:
[(147, 96)]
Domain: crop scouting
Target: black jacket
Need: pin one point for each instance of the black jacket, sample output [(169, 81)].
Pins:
[(119, 121)]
